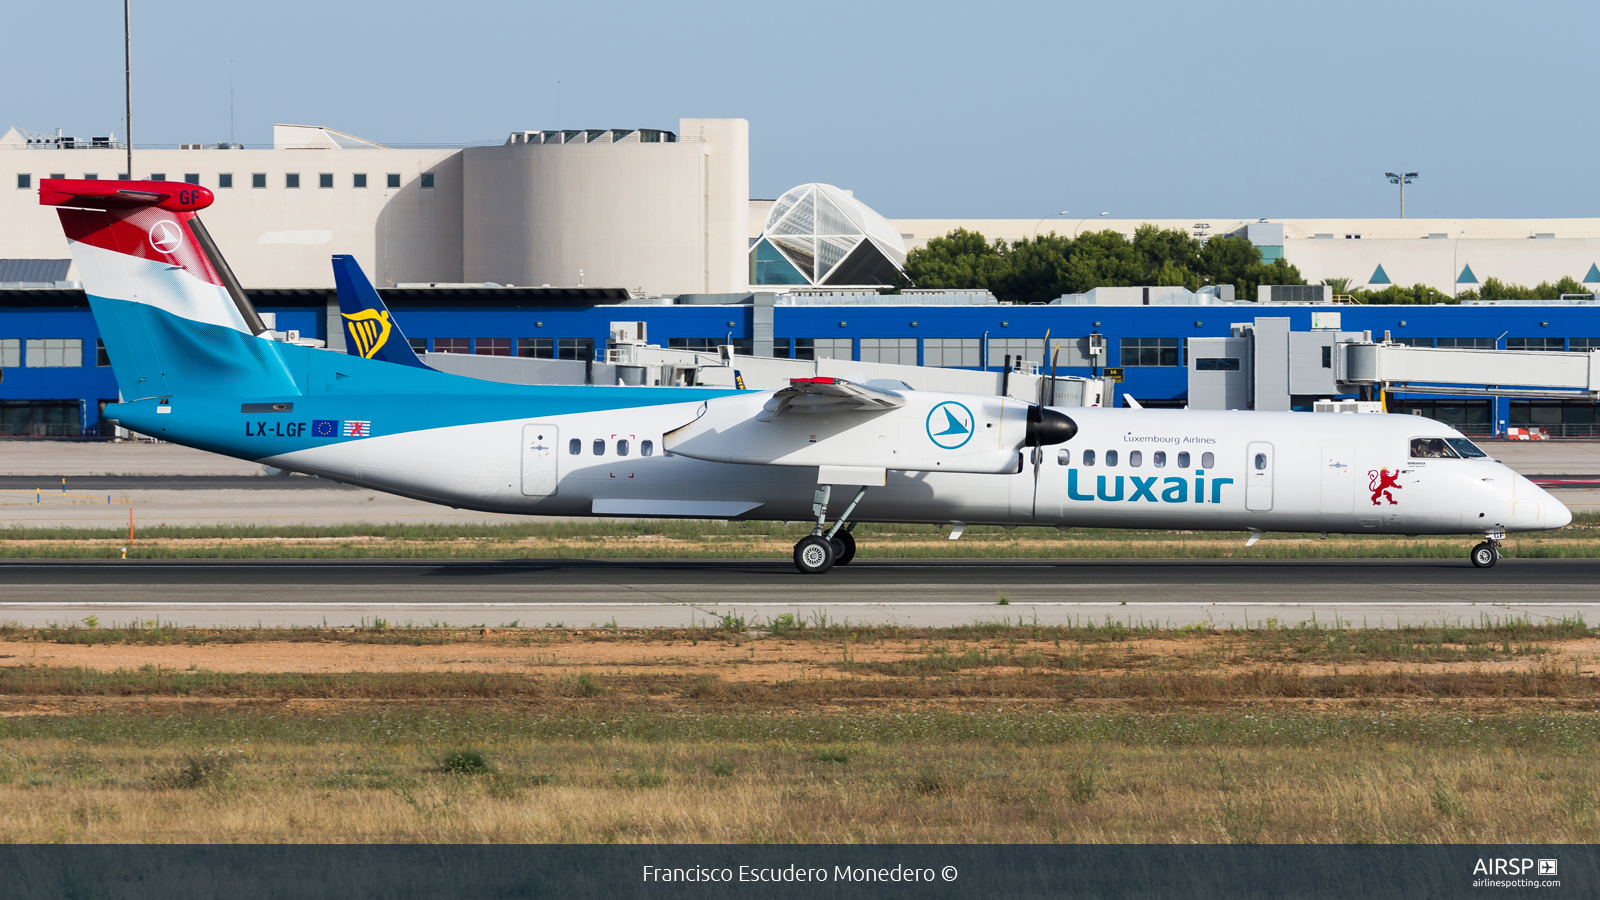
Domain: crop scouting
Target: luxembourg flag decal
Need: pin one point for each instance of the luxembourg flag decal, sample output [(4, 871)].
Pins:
[(356, 428)]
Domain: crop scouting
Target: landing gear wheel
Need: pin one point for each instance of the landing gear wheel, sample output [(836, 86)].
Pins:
[(844, 548), (1484, 555), (813, 555)]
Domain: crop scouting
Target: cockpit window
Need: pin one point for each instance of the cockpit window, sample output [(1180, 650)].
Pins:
[(1466, 448), (1433, 448)]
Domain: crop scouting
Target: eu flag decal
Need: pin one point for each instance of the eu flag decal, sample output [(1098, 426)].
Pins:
[(325, 428), (357, 429)]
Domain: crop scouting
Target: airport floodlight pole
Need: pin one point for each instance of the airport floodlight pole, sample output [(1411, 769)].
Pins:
[(1455, 274), (1085, 219), (127, 84), (1401, 180), (1041, 221)]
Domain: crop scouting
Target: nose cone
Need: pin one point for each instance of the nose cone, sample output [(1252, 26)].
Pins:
[(1534, 509), (1555, 513)]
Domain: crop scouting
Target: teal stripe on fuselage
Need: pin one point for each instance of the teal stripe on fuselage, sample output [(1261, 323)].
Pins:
[(206, 411)]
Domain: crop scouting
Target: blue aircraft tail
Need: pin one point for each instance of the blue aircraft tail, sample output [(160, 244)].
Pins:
[(369, 329)]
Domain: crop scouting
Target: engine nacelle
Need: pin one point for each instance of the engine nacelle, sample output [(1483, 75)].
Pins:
[(930, 432)]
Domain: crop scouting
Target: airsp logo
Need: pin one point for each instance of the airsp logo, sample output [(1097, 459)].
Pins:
[(165, 236), (950, 425)]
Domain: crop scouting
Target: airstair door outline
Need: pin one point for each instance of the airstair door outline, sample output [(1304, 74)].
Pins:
[(1338, 479), (540, 442), (1258, 477)]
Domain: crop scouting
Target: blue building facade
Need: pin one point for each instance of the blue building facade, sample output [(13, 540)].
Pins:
[(46, 390)]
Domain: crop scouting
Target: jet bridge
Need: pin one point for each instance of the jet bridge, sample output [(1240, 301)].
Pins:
[(1266, 365), (1462, 372)]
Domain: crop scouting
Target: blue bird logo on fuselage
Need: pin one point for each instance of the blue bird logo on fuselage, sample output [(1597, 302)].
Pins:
[(949, 425)]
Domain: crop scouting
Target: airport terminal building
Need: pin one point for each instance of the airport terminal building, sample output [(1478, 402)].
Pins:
[(536, 246)]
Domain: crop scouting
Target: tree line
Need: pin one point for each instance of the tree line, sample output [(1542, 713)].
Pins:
[(1040, 269), (1491, 289)]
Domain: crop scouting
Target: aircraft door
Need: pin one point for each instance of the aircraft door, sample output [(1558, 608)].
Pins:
[(1338, 479), (1258, 477), (540, 456)]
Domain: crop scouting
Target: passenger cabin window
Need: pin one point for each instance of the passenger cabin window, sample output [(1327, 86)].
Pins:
[(574, 447), (1183, 459), (599, 447), (1159, 459), (1135, 458), (647, 447), (1088, 457), (1431, 448), (1261, 462), (1111, 457), (1207, 460), (622, 448), (1063, 457)]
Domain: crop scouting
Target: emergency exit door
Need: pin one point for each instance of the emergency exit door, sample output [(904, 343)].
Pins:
[(1258, 477), (540, 443)]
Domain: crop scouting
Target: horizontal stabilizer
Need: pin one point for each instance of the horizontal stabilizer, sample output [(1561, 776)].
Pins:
[(86, 193)]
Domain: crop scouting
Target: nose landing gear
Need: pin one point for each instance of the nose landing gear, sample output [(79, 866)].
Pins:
[(826, 547), (1486, 554)]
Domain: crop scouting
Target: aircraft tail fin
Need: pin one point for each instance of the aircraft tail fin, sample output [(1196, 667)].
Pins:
[(171, 313), (369, 329)]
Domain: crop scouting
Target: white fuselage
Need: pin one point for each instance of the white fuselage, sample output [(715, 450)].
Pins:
[(1215, 470)]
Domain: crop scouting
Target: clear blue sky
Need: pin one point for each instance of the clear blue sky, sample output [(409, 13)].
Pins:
[(924, 109)]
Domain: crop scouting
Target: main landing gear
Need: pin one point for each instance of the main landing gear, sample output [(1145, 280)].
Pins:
[(1486, 554), (826, 547)]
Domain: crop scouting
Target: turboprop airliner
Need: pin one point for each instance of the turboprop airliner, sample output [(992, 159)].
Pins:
[(196, 366)]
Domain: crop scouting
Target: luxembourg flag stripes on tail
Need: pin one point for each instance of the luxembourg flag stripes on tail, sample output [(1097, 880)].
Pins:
[(171, 314)]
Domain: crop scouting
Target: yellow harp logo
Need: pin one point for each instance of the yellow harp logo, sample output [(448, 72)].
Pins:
[(369, 329)]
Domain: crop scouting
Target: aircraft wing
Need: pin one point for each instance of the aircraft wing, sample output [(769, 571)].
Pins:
[(819, 396), (831, 422)]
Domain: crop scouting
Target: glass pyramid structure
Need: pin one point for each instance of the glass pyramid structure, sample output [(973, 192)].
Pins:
[(817, 234)]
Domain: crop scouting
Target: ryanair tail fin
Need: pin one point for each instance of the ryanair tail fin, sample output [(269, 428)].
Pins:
[(369, 329), (173, 317)]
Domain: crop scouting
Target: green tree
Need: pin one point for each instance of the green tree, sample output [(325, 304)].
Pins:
[(1236, 261), (1394, 294), (1042, 268), (961, 260)]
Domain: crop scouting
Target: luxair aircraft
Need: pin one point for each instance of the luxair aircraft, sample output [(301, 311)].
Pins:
[(196, 366)]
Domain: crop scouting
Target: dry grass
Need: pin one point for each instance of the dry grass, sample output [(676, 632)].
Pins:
[(736, 792), (984, 734)]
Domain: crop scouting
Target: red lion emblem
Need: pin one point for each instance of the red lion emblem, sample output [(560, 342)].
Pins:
[(1380, 482)]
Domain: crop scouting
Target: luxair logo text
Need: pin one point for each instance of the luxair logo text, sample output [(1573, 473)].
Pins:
[(1155, 489)]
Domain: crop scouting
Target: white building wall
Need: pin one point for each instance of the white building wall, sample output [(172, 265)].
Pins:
[(727, 199), (627, 215), (274, 236)]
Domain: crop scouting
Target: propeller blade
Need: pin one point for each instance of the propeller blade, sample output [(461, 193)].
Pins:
[(1041, 367), (1035, 419), (1038, 457), (1053, 358)]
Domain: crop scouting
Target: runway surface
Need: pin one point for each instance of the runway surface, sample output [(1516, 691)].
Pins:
[(643, 593)]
